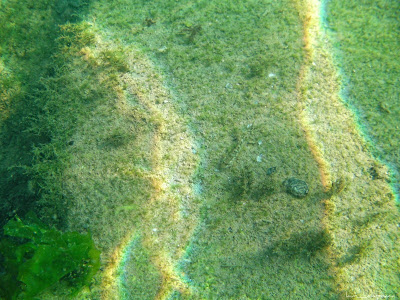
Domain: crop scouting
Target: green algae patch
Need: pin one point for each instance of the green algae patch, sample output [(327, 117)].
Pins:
[(27, 42), (37, 257)]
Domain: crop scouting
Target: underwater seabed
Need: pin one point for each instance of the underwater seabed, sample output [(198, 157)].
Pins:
[(210, 148), (368, 73)]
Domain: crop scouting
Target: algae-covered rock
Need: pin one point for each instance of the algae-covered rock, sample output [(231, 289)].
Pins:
[(296, 187)]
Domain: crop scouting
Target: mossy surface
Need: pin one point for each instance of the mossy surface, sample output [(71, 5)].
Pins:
[(233, 68), (28, 41), (360, 211), (366, 39), (57, 125), (22, 47), (138, 278), (168, 130)]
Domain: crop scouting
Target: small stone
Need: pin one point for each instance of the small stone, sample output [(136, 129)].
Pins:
[(259, 158), (296, 187)]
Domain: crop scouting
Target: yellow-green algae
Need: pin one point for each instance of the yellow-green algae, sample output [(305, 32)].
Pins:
[(366, 39), (255, 83), (361, 212)]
